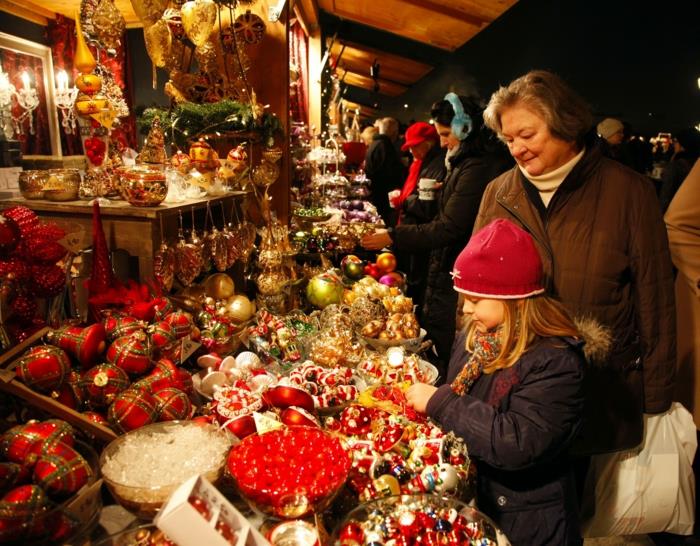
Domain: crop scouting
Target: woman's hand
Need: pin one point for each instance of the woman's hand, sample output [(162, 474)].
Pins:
[(418, 395), (377, 240)]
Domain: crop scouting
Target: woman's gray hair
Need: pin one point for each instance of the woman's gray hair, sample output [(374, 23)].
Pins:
[(567, 115)]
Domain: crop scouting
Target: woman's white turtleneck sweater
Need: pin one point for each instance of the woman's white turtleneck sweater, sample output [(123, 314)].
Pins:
[(548, 183)]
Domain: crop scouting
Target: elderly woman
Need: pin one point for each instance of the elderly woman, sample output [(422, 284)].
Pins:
[(604, 247), (475, 158)]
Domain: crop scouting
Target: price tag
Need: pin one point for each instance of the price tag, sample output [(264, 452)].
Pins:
[(105, 117), (76, 240), (188, 347), (264, 424)]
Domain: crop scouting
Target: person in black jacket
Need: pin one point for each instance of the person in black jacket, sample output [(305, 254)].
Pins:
[(423, 142), (383, 167), (475, 158), (515, 392)]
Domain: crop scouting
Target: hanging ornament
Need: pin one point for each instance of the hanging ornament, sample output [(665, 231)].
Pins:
[(206, 57), (265, 174), (249, 28), (228, 40), (153, 150), (188, 259), (149, 11), (158, 42), (198, 20), (246, 235), (108, 24), (173, 18), (164, 266), (83, 59)]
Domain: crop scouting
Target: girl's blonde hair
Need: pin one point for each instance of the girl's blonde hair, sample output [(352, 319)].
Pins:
[(524, 321)]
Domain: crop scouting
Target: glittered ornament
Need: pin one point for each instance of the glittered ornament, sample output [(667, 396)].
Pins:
[(149, 11), (43, 246), (17, 267), (25, 218), (158, 41), (188, 261), (198, 20), (121, 325), (173, 404), (12, 474), (131, 410), (162, 334), (62, 471), (85, 344), (166, 374), (102, 278), (48, 280), (164, 266), (22, 443), (23, 308), (108, 24), (153, 150), (131, 353), (96, 418), (10, 234), (18, 508), (102, 383), (43, 367), (181, 322)]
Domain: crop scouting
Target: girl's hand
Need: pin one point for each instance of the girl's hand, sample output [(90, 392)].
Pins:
[(418, 395)]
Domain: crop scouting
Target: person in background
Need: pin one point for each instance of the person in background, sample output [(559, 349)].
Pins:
[(614, 143), (383, 166), (476, 157), (686, 149), (514, 388), (423, 143), (367, 134), (603, 242)]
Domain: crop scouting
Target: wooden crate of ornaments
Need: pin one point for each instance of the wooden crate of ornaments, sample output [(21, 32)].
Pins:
[(11, 384)]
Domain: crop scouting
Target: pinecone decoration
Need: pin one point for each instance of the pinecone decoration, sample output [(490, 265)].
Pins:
[(48, 280), (153, 150), (26, 219), (23, 308)]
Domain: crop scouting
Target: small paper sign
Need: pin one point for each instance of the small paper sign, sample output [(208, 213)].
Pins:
[(188, 347), (264, 424), (105, 117), (76, 240)]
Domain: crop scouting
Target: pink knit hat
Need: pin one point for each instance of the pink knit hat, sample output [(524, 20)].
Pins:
[(500, 262)]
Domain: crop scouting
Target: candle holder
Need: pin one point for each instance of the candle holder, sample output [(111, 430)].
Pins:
[(65, 102), (26, 98)]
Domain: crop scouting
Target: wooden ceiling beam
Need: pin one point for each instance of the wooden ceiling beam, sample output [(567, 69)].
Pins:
[(388, 88), (391, 73), (449, 11), (309, 14), (28, 11)]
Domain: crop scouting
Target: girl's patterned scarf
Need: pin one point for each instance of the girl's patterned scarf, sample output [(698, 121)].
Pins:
[(487, 346)]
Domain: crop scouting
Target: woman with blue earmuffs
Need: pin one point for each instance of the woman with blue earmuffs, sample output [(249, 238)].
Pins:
[(474, 158)]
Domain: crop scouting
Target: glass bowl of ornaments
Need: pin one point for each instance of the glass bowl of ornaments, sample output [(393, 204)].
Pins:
[(31, 184), (382, 342), (43, 513), (396, 365), (405, 518), (277, 473), (143, 467), (144, 185)]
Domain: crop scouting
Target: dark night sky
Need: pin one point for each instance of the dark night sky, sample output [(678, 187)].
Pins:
[(627, 58)]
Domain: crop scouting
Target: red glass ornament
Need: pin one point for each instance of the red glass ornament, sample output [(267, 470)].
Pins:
[(62, 471), (131, 353), (131, 410), (172, 404), (43, 368), (102, 383), (85, 344)]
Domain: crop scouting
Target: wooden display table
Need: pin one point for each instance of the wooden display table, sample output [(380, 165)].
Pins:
[(137, 230)]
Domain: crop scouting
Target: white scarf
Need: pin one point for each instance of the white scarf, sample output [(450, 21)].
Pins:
[(548, 183)]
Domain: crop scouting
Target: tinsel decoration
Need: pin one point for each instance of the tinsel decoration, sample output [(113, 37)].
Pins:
[(188, 121)]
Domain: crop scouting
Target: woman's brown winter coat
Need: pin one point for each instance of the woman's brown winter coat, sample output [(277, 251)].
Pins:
[(603, 244)]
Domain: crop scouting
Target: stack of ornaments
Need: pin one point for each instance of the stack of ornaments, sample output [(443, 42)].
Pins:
[(122, 372), (30, 253), (40, 468)]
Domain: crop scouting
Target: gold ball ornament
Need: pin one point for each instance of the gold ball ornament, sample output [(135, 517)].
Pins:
[(265, 174), (89, 84), (219, 286), (158, 42), (87, 105), (198, 20), (240, 308)]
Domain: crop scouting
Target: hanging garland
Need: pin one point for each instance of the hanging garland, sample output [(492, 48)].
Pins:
[(189, 121)]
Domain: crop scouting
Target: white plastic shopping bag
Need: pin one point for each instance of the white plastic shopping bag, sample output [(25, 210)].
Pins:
[(647, 489)]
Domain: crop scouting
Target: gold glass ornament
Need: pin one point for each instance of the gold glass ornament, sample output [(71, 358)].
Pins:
[(149, 11), (158, 42), (265, 174), (109, 24), (198, 20), (83, 59)]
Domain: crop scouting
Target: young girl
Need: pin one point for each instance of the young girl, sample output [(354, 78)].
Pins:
[(513, 388)]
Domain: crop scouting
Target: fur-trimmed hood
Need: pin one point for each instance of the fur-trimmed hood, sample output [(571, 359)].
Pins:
[(598, 339)]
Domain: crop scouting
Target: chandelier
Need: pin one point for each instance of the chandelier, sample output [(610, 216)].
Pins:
[(26, 98)]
